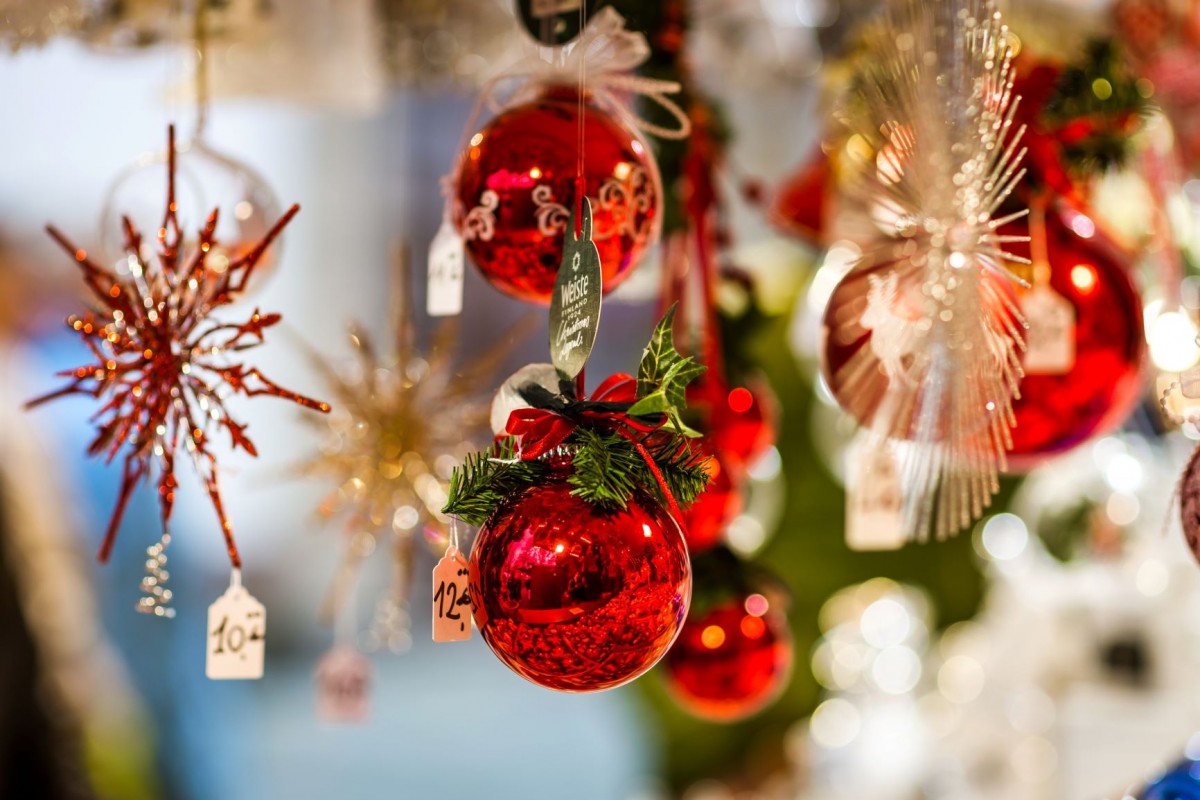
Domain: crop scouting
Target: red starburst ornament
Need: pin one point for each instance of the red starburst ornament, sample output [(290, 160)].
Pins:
[(164, 366)]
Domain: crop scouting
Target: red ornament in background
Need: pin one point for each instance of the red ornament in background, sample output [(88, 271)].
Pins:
[(741, 424), (1102, 387), (576, 598), (801, 204), (738, 427), (704, 522), (732, 659), (516, 184)]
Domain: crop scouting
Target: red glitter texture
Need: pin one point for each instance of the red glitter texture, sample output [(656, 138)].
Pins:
[(163, 366), (1058, 412), (528, 157), (576, 598), (728, 663)]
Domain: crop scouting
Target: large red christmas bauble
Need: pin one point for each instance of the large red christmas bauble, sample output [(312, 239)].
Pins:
[(516, 189), (732, 660), (1059, 411), (574, 597), (705, 520)]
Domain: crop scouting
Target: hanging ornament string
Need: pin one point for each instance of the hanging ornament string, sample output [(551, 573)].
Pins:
[(200, 33), (580, 174)]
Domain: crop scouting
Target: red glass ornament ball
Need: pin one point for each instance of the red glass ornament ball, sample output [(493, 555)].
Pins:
[(1104, 385), (574, 597), (732, 660), (516, 189), (705, 521), (741, 424)]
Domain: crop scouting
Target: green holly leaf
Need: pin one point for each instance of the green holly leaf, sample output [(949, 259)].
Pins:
[(664, 375)]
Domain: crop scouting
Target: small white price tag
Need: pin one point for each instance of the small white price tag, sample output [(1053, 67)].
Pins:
[(237, 630), (343, 685), (451, 603), (444, 289), (1050, 341), (874, 501)]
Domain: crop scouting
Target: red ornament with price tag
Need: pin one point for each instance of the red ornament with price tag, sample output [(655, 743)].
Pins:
[(578, 598), (515, 188), (1086, 341)]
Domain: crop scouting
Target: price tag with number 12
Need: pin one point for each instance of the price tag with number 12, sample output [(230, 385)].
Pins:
[(451, 603)]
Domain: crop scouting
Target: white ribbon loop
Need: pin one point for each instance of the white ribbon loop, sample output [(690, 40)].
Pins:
[(609, 54)]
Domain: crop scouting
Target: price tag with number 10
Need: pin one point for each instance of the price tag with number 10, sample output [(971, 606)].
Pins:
[(237, 630)]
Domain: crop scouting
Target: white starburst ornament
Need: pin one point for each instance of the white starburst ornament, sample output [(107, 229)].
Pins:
[(923, 336)]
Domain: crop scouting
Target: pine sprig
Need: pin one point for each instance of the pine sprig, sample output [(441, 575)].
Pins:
[(488, 477), (684, 469), (606, 468), (1100, 90)]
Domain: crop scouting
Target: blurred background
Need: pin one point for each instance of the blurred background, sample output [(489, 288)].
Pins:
[(1048, 652)]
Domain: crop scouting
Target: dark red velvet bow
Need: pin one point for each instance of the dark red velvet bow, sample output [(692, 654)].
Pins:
[(540, 430)]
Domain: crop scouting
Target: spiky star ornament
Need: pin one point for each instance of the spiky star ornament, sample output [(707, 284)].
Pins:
[(404, 420), (924, 335), (164, 366)]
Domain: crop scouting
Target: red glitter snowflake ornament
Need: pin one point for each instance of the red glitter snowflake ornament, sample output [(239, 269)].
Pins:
[(164, 367)]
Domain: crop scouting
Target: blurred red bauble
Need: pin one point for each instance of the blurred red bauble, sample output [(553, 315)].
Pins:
[(574, 597), (741, 424), (515, 191), (704, 522), (1059, 411), (732, 659), (800, 205)]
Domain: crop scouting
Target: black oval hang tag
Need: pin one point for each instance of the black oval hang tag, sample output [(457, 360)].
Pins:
[(552, 22), (575, 304)]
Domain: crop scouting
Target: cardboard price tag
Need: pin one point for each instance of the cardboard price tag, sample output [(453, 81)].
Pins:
[(237, 630), (451, 602), (874, 501), (1050, 341), (444, 288)]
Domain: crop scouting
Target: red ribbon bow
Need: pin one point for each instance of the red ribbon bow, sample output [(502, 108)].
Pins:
[(540, 430)]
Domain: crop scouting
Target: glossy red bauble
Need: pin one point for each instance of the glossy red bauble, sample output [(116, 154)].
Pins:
[(801, 205), (516, 189), (576, 598), (732, 660), (741, 424), (1058, 412), (705, 520)]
